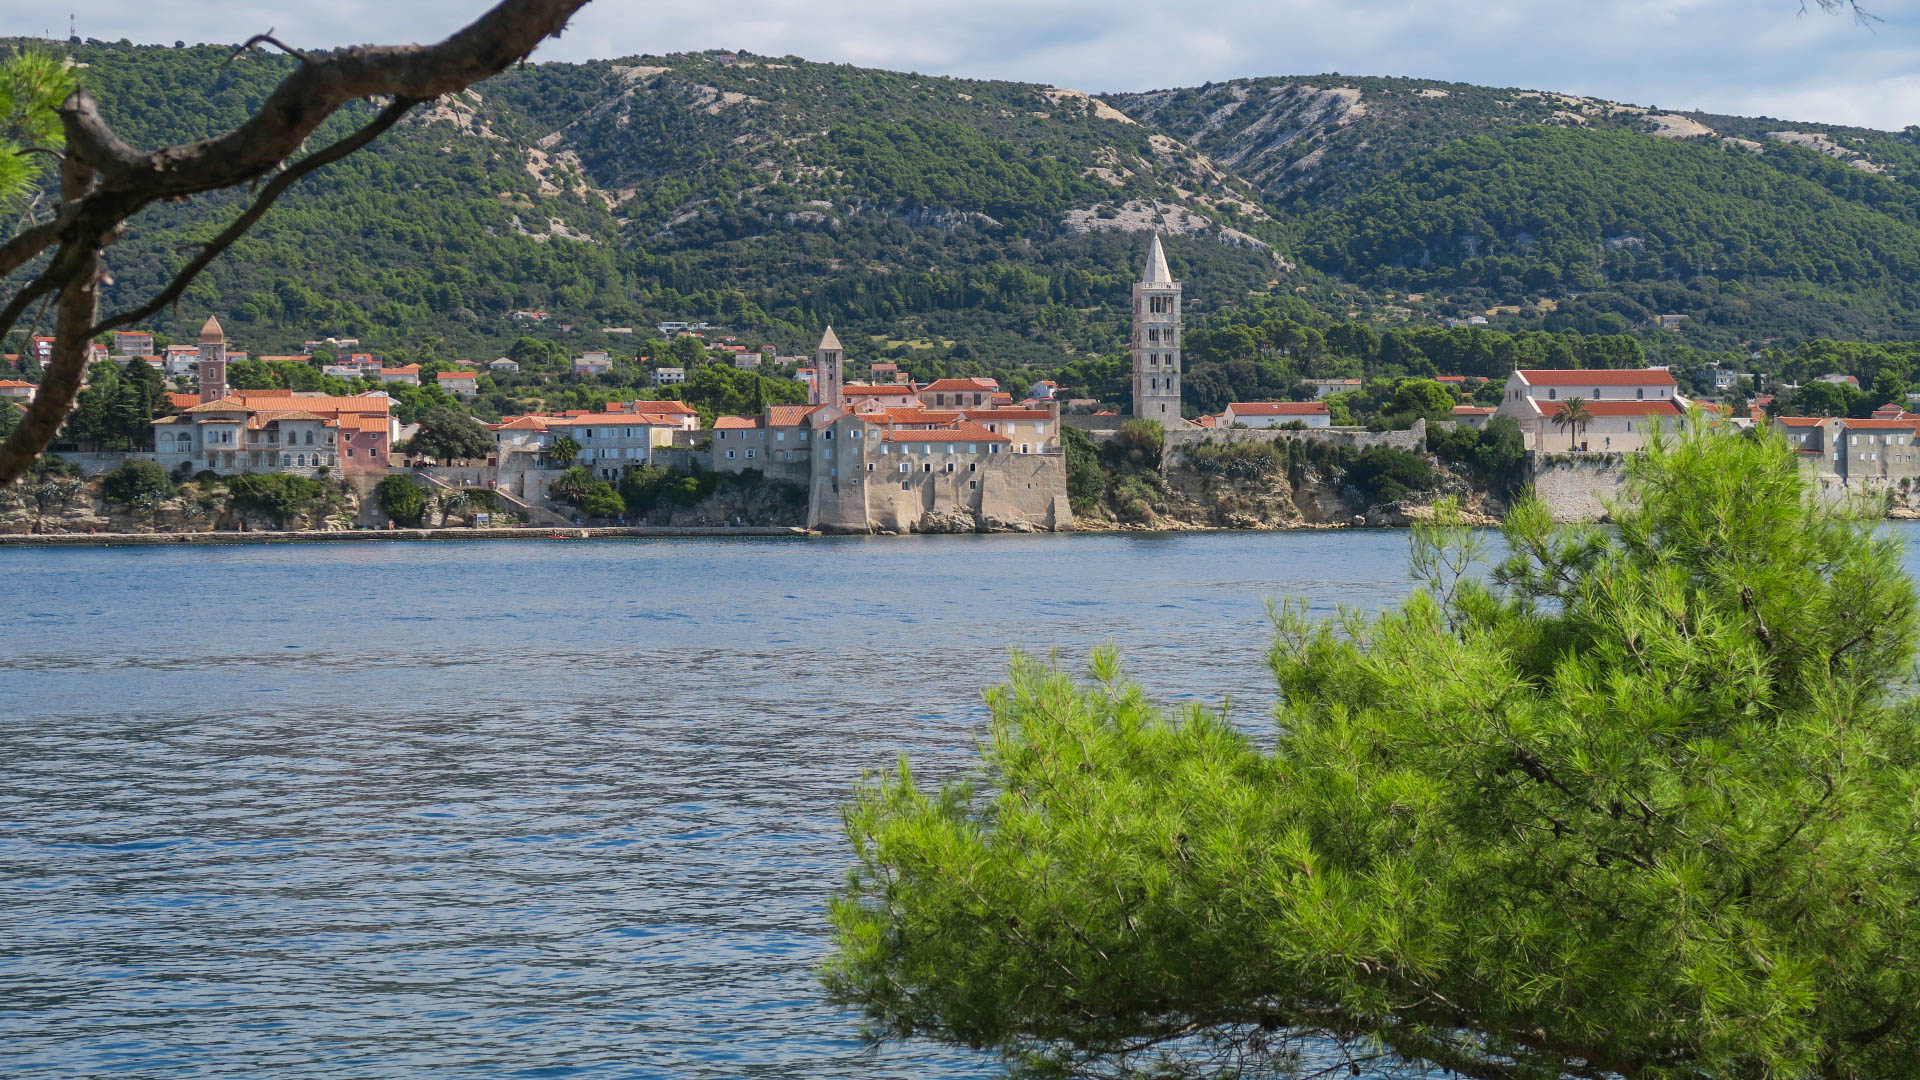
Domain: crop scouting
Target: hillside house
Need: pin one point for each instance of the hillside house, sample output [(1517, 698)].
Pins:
[(1273, 414), (279, 431)]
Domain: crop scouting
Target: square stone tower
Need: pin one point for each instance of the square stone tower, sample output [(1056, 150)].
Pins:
[(1156, 342), (213, 361), (829, 371)]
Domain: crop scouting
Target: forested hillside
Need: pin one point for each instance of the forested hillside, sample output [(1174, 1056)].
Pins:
[(959, 225), (941, 220)]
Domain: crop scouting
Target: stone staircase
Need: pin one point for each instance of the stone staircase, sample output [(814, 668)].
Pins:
[(535, 514)]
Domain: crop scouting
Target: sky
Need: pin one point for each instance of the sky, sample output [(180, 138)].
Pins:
[(1743, 57)]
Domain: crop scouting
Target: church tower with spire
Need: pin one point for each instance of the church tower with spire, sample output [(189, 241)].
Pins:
[(1156, 342), (829, 371), (213, 361)]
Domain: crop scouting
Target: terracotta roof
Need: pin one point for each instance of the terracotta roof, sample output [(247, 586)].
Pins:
[(1472, 410), (1656, 407), (225, 404), (14, 382), (1803, 421), (521, 423), (583, 419), (976, 383), (403, 369), (362, 422), (1595, 377), (183, 401), (450, 376), (665, 407), (734, 423), (210, 330), (788, 415), (886, 390), (1450, 378), (1279, 408), (1882, 425), (965, 432), (1007, 414)]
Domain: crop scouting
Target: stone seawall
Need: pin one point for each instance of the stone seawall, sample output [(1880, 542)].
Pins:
[(1576, 486), (1413, 439)]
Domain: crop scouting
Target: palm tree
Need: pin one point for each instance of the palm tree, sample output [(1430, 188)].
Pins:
[(563, 451), (1573, 416)]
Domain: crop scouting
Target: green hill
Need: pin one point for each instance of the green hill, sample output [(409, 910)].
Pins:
[(966, 225), (940, 221), (1480, 198)]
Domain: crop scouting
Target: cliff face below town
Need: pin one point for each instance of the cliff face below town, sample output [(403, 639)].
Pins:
[(1313, 498), (60, 504)]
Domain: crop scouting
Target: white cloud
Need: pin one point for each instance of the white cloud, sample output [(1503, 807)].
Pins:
[(1720, 55)]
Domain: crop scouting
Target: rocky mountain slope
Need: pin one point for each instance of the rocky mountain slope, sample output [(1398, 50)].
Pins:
[(948, 222)]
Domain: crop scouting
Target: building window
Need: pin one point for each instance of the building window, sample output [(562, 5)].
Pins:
[(1641, 393), (869, 466), (1551, 394), (829, 434), (973, 485), (729, 453), (973, 466), (749, 453)]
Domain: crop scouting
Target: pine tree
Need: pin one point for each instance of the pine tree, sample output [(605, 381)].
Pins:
[(1638, 803)]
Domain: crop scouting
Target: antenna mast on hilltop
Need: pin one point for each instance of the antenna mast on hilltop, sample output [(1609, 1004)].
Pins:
[(73, 26)]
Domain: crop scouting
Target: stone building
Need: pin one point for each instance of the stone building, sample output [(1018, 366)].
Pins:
[(1625, 406), (1156, 342), (279, 431)]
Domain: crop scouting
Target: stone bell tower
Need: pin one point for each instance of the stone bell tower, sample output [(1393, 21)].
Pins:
[(829, 371), (1156, 342), (213, 361)]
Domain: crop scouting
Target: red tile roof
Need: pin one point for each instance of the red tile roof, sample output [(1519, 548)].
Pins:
[(1007, 414), (1595, 377), (964, 432), (887, 390), (450, 376), (788, 415), (1803, 421), (974, 383), (1472, 410), (1882, 425), (733, 423), (1279, 408)]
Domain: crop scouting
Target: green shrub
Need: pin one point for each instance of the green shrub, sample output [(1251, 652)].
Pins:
[(281, 496), (141, 485), (1384, 474), (401, 499)]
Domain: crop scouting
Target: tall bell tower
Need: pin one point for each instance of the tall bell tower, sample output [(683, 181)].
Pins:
[(829, 370), (213, 361), (1156, 342)]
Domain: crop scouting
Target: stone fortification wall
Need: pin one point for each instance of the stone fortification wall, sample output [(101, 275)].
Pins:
[(1413, 439), (91, 465), (1576, 486), (1015, 493)]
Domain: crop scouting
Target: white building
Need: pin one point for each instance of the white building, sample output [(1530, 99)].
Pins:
[(1272, 414), (1624, 406)]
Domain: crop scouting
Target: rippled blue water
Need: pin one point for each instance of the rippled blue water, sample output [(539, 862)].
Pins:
[(560, 809)]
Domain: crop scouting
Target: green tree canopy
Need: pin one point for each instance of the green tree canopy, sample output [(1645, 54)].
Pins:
[(446, 434), (1637, 804), (401, 499)]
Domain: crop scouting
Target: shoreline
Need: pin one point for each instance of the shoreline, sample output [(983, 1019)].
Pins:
[(335, 536), (570, 532)]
